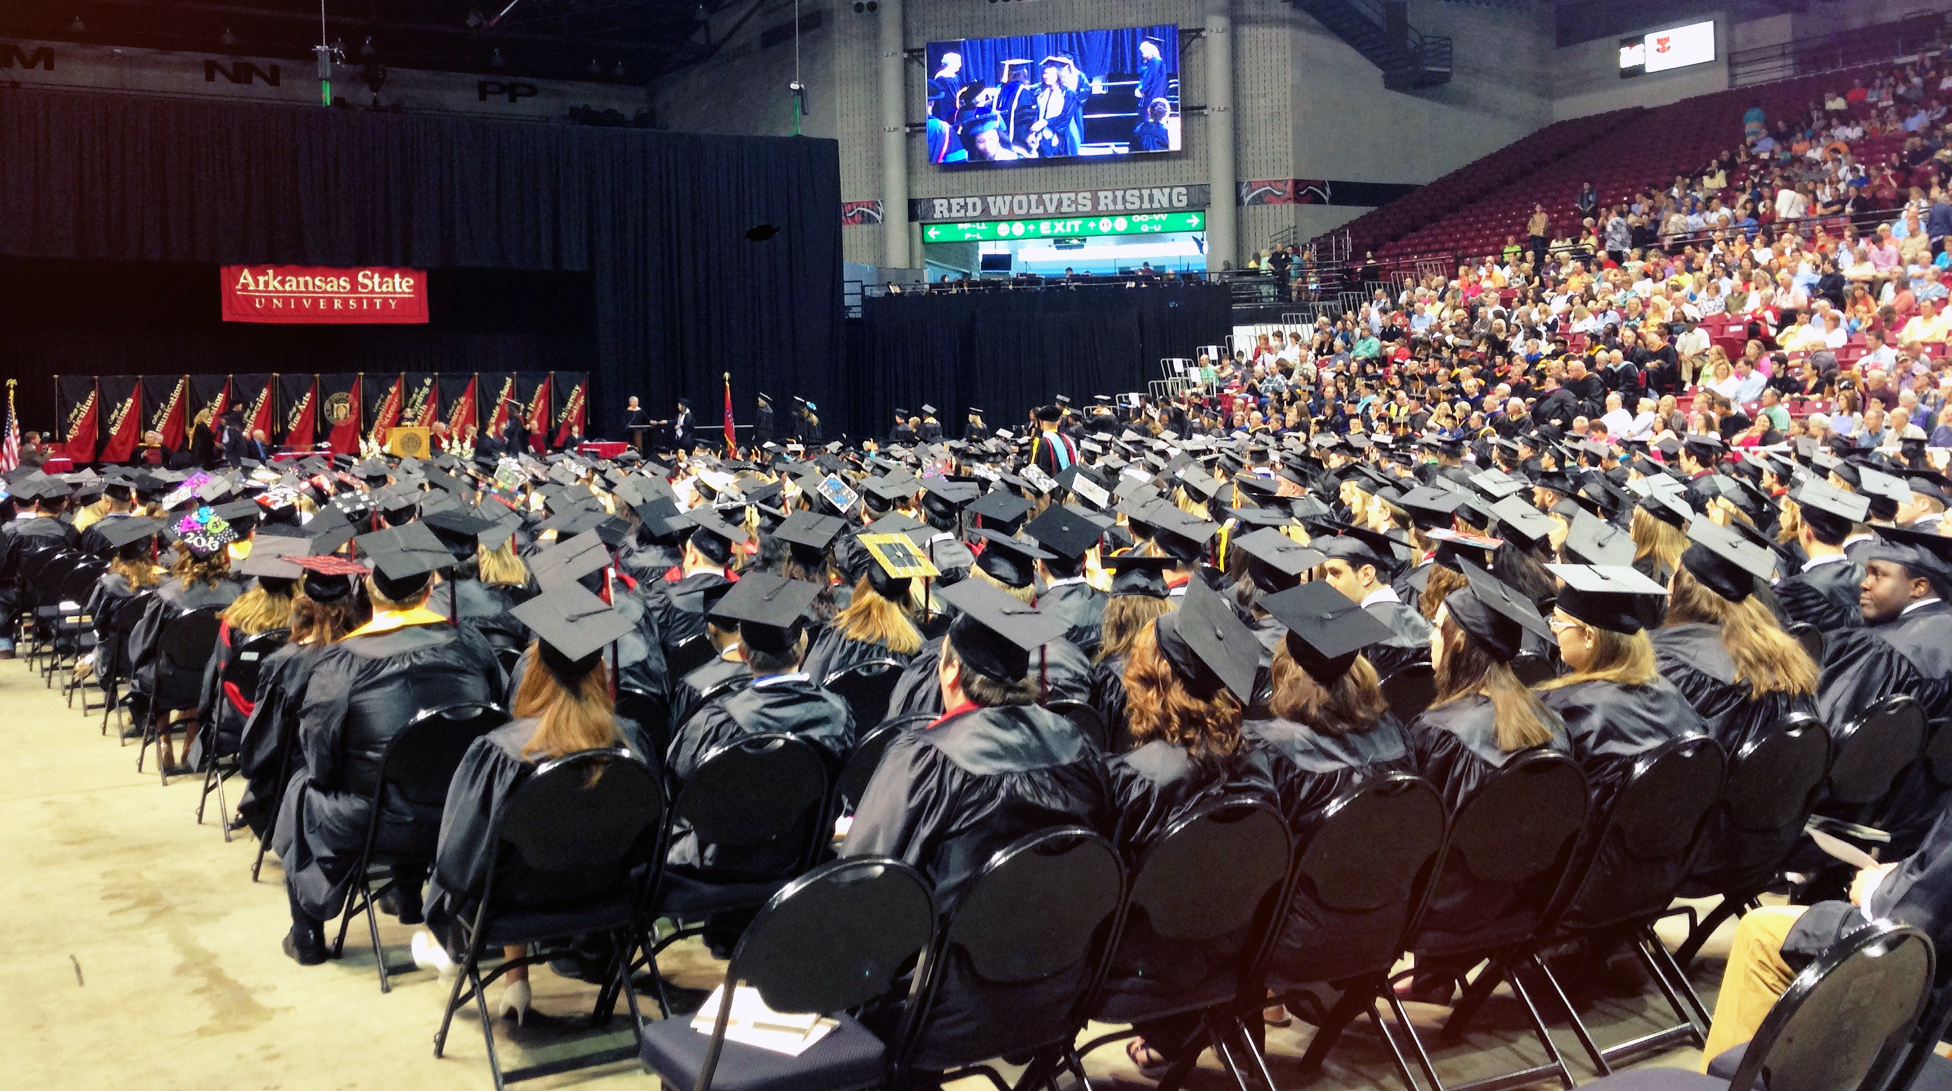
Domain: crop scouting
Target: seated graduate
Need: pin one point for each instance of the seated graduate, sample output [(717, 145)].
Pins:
[(728, 666), (1823, 593), (1722, 648), (639, 657), (1068, 537), (1138, 597), (678, 605), (1184, 538), (132, 570), (562, 707), (489, 578), (362, 692), (1904, 647), (875, 624), (1482, 717), (1189, 675), (265, 606), (328, 604), (200, 579), (1614, 703), (1357, 564), (994, 767), (1061, 671)]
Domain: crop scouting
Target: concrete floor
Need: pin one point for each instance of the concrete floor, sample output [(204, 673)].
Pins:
[(139, 954)]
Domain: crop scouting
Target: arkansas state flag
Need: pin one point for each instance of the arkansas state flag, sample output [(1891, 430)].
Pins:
[(81, 423), (123, 395)]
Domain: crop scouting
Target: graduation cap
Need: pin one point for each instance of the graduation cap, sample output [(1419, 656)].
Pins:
[(329, 579), (770, 610), (203, 534), (1003, 508), (1208, 645), (1182, 536), (893, 523), (944, 498), (1272, 552), (1496, 484), (1064, 533), (373, 470), (1724, 561), (402, 558), (928, 410), (1454, 549), (1136, 575), (271, 559), (1611, 597), (1326, 630), (1430, 507), (569, 561), (572, 627), (896, 560), (890, 490), (1669, 507), (462, 529), (993, 634), (1494, 614), (809, 534), (1704, 445), (714, 537), (125, 533), (1885, 492), (1921, 552), (1011, 562), (1359, 546), (1593, 541)]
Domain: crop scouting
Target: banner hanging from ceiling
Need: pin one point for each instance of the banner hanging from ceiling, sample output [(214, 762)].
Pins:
[(317, 295)]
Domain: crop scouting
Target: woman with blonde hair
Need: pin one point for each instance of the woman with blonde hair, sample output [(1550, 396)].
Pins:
[(199, 580), (876, 624), (264, 607), (1659, 537)]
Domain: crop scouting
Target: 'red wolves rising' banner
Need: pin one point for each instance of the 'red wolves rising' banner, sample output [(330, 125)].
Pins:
[(495, 391), (300, 394), (166, 400), (81, 416), (257, 398), (122, 394), (536, 418), (459, 400), (422, 405), (386, 396), (572, 391), (342, 411)]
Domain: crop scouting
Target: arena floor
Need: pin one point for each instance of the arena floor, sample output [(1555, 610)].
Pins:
[(141, 955)]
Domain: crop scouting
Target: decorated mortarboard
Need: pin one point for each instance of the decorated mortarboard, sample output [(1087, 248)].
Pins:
[(1063, 532), (1013, 563), (1208, 645), (1454, 549), (1326, 629), (1593, 541), (572, 628), (329, 579), (770, 610), (1724, 561), (202, 533), (569, 560), (898, 557), (1494, 614), (1612, 597), (993, 633), (403, 557)]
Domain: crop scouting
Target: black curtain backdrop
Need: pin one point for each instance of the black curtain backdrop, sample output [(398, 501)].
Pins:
[(659, 222), (1008, 352)]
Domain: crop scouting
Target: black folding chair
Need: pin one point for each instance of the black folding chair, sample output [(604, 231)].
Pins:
[(830, 941), (652, 715), (1771, 789), (1008, 979), (185, 643), (1361, 874), (1532, 667), (414, 772), (240, 673), (1409, 690), (1638, 858), (1843, 1024), (1810, 637), (866, 686), (578, 854), (688, 655), (73, 631), (1087, 719), (862, 761), (114, 629), (1510, 850), (756, 808), (1870, 752)]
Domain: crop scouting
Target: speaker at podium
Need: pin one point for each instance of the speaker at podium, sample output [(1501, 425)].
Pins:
[(409, 442)]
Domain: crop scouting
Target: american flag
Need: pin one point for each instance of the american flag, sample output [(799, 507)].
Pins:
[(10, 446)]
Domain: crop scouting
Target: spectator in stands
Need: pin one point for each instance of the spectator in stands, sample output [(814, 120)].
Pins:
[(1587, 202), (1536, 230), (1926, 327)]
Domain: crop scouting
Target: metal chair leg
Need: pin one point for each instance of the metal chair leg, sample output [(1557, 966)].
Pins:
[(1730, 906), (1593, 1051), (1329, 1031), (1476, 992), (223, 807), (1558, 1063), (1395, 1050), (1416, 1042)]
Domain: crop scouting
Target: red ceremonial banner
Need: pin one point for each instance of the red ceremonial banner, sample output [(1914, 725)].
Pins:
[(123, 395), (303, 294)]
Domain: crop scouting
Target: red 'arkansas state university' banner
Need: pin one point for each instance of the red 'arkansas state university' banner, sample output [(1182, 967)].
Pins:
[(313, 294)]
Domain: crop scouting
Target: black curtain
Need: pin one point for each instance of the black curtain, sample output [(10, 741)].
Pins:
[(704, 254), (1007, 352)]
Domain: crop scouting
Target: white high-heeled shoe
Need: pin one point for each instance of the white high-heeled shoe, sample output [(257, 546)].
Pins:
[(515, 998), (428, 954)]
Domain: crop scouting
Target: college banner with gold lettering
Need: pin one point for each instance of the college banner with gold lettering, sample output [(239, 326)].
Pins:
[(310, 294)]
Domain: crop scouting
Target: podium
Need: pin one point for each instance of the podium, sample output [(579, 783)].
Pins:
[(410, 442)]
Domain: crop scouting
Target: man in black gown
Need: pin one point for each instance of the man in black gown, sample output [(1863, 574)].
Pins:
[(1823, 593), (1068, 536), (678, 606)]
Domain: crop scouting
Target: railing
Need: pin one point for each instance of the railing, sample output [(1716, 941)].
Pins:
[(1915, 33)]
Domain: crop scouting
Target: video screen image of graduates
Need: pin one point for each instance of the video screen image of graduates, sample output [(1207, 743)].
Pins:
[(1053, 96)]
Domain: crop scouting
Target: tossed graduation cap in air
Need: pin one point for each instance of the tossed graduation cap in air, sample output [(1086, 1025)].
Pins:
[(1013, 563), (1208, 645), (572, 627), (1724, 561), (993, 634), (1494, 614), (1611, 597), (1326, 629), (1136, 575), (769, 610)]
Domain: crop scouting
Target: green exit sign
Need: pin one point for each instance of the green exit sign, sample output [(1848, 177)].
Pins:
[(1148, 223)]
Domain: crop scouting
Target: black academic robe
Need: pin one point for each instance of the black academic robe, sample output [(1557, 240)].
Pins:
[(1410, 642), (466, 853), (902, 435), (265, 748), (167, 686), (1692, 657), (1910, 654), (918, 690), (1082, 609), (221, 713), (1824, 596), (1062, 672), (486, 607), (688, 695), (1108, 697), (784, 704), (831, 652), (111, 589), (931, 431), (945, 799), (677, 607), (1612, 725), (1918, 893), (645, 562), (362, 691), (23, 535), (1409, 586)]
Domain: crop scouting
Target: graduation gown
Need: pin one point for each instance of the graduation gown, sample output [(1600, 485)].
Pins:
[(918, 690), (1410, 644), (170, 687), (1824, 596), (1692, 657), (1611, 725), (362, 691), (688, 695), (486, 607), (946, 798), (1082, 609), (111, 589), (785, 704), (1910, 654), (677, 607), (265, 746), (222, 713), (1062, 672), (1918, 893), (1108, 697), (833, 652)]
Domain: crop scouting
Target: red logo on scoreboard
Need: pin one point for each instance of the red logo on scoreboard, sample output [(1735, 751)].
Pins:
[(305, 294)]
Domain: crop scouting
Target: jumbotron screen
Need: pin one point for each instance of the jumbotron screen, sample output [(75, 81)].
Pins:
[(1035, 97)]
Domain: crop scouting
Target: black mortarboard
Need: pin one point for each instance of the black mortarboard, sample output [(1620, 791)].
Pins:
[(1208, 645), (1668, 506), (1012, 562), (572, 627), (770, 610), (928, 410), (1495, 615), (1884, 491), (714, 537), (1065, 533), (944, 498), (1704, 445), (1830, 510), (242, 515), (1001, 507), (460, 528), (809, 533), (1182, 536), (1360, 546), (1430, 507), (1922, 553), (993, 634), (1594, 541), (402, 558), (1496, 484), (1611, 597), (270, 559), (123, 533), (1326, 630), (569, 560), (1270, 549), (1136, 575), (1724, 561)]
